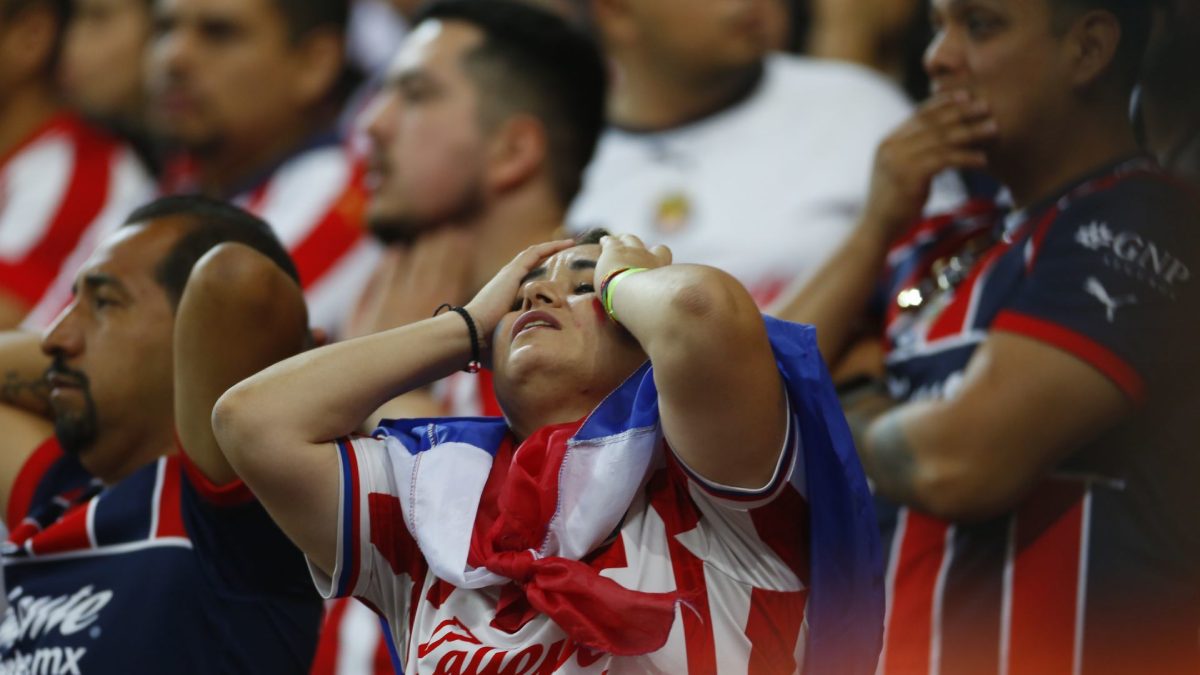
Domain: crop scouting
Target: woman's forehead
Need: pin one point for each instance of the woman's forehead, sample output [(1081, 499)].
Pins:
[(581, 252)]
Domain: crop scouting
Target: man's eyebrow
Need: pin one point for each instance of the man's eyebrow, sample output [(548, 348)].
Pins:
[(410, 77), (98, 280)]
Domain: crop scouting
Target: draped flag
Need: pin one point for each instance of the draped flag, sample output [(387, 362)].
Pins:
[(582, 481)]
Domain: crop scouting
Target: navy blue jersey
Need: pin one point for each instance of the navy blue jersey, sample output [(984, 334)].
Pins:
[(161, 572), (1098, 570)]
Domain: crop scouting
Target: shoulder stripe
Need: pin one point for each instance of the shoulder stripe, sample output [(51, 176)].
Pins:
[(350, 539), (1100, 357)]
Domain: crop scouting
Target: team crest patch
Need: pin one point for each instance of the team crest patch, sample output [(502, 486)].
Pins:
[(673, 213)]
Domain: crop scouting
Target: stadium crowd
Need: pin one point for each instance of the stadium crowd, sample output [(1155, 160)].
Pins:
[(585, 336)]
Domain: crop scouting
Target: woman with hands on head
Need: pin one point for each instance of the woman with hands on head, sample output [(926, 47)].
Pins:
[(668, 466)]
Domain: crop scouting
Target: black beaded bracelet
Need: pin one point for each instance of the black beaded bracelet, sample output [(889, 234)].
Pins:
[(474, 365)]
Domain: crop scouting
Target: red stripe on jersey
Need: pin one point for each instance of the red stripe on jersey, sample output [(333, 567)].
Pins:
[(673, 505), (954, 319), (1098, 356), (389, 534), (1049, 530), (910, 627), (85, 195), (773, 628), (28, 479), (1039, 236), (68, 534), (170, 515), (489, 405), (233, 493), (325, 661), (783, 526), (337, 232)]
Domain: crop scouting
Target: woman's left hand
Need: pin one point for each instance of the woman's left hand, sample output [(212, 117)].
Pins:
[(625, 250)]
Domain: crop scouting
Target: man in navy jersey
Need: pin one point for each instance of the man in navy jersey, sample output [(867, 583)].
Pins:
[(1037, 469), (133, 546)]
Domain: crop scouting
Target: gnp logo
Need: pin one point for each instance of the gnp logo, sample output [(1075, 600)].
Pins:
[(454, 650), (1130, 253)]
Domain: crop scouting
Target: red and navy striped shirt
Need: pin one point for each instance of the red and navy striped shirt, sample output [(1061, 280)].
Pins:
[(1098, 569)]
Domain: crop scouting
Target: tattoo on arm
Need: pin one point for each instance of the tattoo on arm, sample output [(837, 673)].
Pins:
[(889, 460), (25, 393)]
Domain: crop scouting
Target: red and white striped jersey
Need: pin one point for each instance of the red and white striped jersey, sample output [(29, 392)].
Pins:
[(352, 638), (65, 182), (315, 201), (742, 557)]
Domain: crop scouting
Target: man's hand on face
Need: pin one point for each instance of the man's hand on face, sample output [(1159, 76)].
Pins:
[(947, 132), (412, 280)]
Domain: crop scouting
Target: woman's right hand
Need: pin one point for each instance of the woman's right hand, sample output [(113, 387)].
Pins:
[(495, 300)]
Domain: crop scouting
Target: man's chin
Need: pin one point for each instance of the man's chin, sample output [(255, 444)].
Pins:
[(391, 229)]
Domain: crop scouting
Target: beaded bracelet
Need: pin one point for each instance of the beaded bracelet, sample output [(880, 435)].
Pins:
[(474, 365)]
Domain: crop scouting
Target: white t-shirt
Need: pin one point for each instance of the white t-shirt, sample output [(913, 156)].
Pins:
[(765, 190)]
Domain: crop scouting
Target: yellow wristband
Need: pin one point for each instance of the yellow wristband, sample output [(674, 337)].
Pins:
[(606, 289)]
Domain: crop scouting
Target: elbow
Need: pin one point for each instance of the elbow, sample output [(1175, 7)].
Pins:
[(234, 428), (711, 309), (962, 490)]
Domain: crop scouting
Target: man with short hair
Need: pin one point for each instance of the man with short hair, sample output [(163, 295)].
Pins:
[(250, 91), (1036, 469), (754, 162), (59, 176), (478, 143), (133, 546)]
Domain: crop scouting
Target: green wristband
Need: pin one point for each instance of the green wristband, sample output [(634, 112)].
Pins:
[(606, 290)]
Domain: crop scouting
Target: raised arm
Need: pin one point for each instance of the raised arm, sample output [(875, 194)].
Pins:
[(24, 405), (943, 134), (239, 313), (276, 427), (720, 395)]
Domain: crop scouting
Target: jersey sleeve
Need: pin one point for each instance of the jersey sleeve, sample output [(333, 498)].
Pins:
[(789, 469), (377, 559), (757, 537), (237, 540), (1109, 281)]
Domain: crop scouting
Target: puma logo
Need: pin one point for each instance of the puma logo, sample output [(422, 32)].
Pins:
[(1111, 304)]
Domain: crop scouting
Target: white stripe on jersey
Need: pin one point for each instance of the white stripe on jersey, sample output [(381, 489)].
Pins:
[(303, 191), (32, 188), (129, 187)]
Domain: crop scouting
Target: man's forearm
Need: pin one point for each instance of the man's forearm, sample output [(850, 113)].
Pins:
[(835, 298), (22, 372)]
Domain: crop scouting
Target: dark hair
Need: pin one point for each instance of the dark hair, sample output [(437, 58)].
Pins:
[(534, 61), (592, 236), (210, 223), (1135, 17), (305, 16)]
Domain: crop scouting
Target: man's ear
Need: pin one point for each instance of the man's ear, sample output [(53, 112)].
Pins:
[(518, 152), (1093, 40), (319, 65)]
